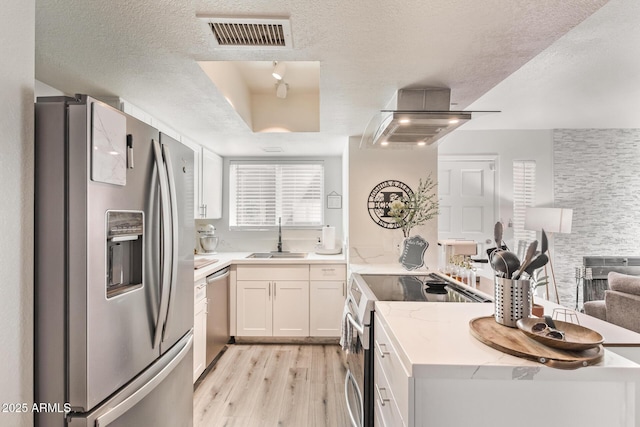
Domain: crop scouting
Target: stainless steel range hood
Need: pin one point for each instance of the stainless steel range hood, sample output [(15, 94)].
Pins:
[(415, 117)]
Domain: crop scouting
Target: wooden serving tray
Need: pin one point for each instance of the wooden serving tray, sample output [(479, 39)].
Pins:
[(513, 341)]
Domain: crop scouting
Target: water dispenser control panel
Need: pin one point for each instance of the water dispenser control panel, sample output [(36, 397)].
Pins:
[(125, 248)]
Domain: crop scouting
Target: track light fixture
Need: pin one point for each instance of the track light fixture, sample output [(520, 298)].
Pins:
[(279, 68), (281, 89)]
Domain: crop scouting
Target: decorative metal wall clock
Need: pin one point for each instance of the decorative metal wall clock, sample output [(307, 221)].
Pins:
[(380, 200)]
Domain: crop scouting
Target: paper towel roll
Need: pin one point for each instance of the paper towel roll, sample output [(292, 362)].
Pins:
[(328, 237)]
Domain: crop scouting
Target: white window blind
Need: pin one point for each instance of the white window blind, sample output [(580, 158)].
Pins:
[(524, 195), (262, 192)]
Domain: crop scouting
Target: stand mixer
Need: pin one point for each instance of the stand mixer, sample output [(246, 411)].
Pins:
[(208, 240)]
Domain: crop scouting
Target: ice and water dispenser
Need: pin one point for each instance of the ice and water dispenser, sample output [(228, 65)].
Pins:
[(125, 239)]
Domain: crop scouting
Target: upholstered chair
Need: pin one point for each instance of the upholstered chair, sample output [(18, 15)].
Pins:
[(621, 304)]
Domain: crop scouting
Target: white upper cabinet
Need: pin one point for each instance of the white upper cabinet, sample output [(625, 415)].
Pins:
[(207, 176), (211, 185)]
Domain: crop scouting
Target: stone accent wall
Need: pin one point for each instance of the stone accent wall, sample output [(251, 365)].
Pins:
[(597, 174)]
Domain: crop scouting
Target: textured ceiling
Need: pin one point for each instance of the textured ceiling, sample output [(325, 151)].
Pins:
[(146, 52), (589, 78)]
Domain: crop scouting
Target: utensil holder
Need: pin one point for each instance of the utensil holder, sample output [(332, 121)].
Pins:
[(512, 301)]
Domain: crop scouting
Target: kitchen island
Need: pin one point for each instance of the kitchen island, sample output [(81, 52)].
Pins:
[(429, 370)]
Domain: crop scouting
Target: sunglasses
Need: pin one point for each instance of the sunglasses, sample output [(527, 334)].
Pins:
[(544, 329)]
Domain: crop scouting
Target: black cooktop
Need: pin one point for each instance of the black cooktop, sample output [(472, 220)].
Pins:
[(432, 288)]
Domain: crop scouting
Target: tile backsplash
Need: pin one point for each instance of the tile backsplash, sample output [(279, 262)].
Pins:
[(597, 174)]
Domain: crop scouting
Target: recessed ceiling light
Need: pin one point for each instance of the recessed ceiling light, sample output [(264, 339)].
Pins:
[(453, 121), (385, 143), (421, 143), (404, 121)]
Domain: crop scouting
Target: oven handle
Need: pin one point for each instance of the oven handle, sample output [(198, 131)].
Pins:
[(349, 378), (356, 325)]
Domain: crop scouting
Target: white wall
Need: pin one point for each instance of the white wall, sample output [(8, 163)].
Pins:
[(292, 240), (17, 33), (299, 112), (368, 242), (508, 145)]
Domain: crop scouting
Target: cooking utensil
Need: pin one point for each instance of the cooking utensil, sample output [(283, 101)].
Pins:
[(538, 262), (504, 262), (544, 242), (497, 234), (531, 250)]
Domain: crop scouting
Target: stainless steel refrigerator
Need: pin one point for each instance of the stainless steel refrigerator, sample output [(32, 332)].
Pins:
[(114, 269)]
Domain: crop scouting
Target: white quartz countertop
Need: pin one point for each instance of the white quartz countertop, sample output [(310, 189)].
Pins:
[(392, 268), (433, 340), (224, 259)]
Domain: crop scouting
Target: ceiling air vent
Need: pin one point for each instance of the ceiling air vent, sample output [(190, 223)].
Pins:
[(230, 32)]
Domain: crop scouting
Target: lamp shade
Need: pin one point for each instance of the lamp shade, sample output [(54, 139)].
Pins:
[(552, 220)]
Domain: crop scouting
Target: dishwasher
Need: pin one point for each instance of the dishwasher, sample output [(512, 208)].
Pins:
[(217, 313)]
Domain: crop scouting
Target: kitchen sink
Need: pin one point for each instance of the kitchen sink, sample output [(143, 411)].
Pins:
[(278, 255)]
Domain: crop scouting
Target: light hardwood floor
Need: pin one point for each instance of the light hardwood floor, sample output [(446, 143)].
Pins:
[(273, 385)]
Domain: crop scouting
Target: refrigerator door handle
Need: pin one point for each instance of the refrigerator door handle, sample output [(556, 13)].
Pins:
[(121, 408), (166, 234), (173, 200)]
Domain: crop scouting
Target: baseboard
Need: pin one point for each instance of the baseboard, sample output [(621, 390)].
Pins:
[(287, 340)]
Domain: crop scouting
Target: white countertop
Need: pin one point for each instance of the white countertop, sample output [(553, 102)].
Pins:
[(227, 258), (395, 268), (614, 336), (433, 340)]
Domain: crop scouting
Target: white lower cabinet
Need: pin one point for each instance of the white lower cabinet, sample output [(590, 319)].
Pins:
[(272, 301), (392, 383), (326, 299), (290, 308), (254, 308), (199, 329), (297, 300)]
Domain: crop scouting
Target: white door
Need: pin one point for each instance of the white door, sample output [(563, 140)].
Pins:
[(254, 312), (291, 308), (468, 200)]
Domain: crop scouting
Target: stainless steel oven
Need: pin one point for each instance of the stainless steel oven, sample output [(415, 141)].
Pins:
[(364, 290), (358, 392)]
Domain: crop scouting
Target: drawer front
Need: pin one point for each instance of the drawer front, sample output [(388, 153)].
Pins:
[(273, 272), (386, 354), (384, 399), (328, 271), (199, 291)]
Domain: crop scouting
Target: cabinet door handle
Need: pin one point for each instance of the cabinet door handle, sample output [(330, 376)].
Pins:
[(380, 351), (274, 290), (382, 399), (269, 290), (344, 288)]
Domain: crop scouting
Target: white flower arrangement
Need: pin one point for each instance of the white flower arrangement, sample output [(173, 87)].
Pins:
[(416, 209)]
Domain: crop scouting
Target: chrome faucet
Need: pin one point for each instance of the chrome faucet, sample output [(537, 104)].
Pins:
[(279, 234)]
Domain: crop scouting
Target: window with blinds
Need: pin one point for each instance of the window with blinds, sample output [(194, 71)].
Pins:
[(262, 192), (524, 195)]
